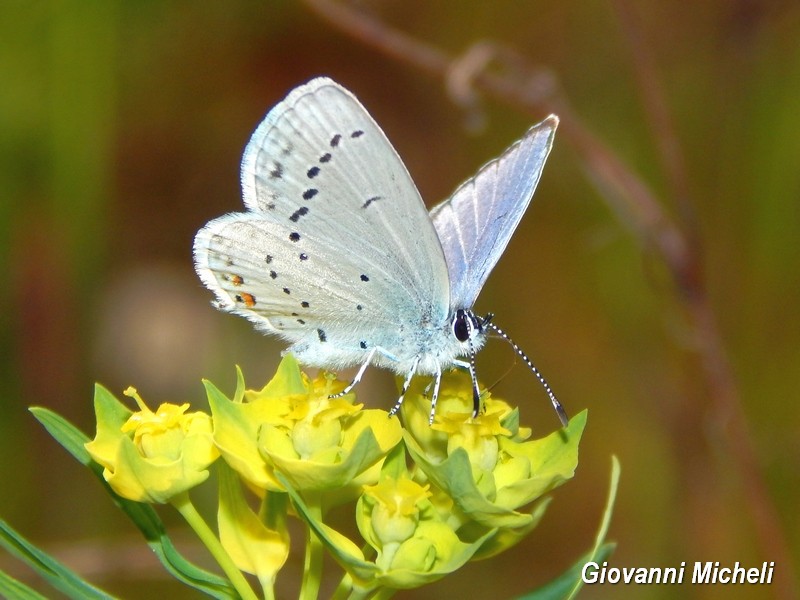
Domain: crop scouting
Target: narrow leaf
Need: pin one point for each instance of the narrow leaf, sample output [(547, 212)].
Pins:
[(51, 570), (564, 585), (568, 584), (11, 588)]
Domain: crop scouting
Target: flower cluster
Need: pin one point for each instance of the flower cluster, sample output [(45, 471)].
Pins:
[(426, 499)]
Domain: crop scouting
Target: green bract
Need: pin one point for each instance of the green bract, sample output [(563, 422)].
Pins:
[(252, 545)]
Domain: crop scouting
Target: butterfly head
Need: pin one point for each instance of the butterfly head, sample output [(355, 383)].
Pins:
[(469, 329)]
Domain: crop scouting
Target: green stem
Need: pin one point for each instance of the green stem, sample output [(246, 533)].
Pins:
[(269, 590), (273, 510), (343, 589), (383, 594), (359, 593), (312, 568), (184, 506)]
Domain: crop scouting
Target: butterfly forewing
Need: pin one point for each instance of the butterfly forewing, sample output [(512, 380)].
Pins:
[(336, 248), (476, 223)]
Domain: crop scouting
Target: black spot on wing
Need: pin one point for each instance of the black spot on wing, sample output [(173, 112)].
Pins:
[(303, 256), (371, 200), (335, 140), (312, 172), (325, 157), (304, 304), (322, 336), (276, 172), (364, 277), (273, 274), (356, 134), (300, 212), (310, 193), (273, 197), (363, 345), (294, 236)]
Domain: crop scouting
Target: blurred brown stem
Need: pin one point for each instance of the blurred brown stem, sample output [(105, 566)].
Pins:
[(536, 92), (730, 418)]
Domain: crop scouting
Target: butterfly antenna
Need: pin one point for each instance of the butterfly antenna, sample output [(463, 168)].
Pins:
[(562, 414)]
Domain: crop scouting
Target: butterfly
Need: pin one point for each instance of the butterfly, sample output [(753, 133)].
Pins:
[(337, 254)]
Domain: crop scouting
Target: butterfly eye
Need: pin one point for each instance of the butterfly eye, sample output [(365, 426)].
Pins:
[(461, 328)]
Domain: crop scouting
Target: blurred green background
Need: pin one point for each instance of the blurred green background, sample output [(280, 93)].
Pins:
[(121, 130)]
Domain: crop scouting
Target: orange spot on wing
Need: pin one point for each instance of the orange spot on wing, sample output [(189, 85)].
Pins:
[(247, 299)]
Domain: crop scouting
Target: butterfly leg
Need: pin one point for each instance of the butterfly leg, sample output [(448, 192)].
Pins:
[(358, 376), (406, 383), (476, 395), (435, 398)]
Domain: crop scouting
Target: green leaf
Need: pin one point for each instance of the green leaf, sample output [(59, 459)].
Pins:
[(64, 433), (55, 573), (142, 515), (568, 584), (11, 588), (395, 463), (564, 585)]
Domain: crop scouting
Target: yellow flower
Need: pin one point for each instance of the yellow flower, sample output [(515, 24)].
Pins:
[(395, 510), (484, 463), (294, 427), (413, 545), (151, 456), (454, 417), (478, 436)]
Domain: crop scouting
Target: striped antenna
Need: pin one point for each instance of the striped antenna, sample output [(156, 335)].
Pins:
[(562, 414)]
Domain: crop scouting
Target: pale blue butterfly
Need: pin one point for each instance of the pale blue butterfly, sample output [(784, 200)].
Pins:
[(337, 254)]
